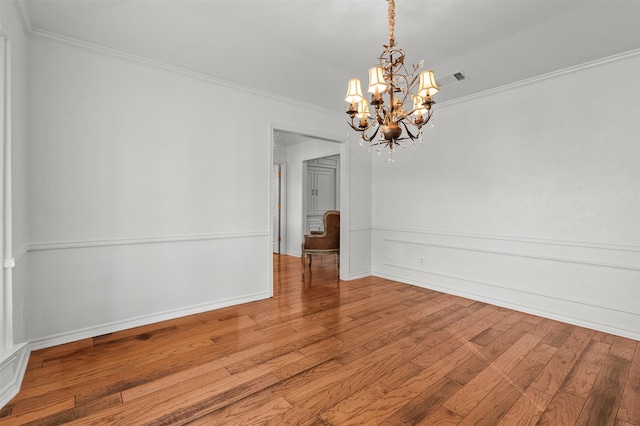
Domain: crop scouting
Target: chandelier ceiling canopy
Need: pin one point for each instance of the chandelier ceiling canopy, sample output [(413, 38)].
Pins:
[(392, 87)]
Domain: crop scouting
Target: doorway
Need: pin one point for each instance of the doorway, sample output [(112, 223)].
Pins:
[(291, 149)]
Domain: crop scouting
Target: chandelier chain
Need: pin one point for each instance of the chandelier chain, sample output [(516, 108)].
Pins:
[(392, 22)]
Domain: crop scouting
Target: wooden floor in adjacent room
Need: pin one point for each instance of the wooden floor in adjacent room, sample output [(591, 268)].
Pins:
[(328, 352)]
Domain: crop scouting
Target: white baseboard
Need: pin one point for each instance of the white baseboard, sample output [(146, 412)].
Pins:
[(13, 364), (113, 327), (358, 275)]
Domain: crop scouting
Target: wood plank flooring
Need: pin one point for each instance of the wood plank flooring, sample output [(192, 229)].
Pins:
[(325, 352)]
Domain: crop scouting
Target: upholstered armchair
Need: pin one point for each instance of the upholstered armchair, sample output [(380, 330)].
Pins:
[(326, 241)]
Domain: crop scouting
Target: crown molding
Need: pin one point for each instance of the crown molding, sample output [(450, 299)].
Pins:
[(177, 70), (25, 20), (23, 14), (542, 77)]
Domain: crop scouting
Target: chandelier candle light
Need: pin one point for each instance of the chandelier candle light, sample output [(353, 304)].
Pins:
[(391, 78)]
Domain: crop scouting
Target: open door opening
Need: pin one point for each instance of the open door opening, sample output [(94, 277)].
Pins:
[(310, 181)]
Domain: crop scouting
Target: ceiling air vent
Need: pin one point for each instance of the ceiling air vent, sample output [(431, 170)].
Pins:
[(449, 79)]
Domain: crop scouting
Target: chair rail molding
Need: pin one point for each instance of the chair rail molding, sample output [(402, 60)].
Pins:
[(61, 245), (521, 239), (515, 253)]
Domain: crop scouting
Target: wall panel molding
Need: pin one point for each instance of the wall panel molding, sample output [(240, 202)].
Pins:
[(13, 364), (88, 332), (562, 315), (110, 286), (590, 284), (577, 300)]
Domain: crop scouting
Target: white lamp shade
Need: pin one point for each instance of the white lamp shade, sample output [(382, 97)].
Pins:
[(428, 86), (418, 108), (376, 80), (354, 91), (363, 108)]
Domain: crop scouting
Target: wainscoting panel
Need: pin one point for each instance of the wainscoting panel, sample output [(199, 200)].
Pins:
[(596, 285), (359, 252), (12, 367), (92, 289)]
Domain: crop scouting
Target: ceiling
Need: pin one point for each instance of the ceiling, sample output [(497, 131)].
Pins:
[(308, 49)]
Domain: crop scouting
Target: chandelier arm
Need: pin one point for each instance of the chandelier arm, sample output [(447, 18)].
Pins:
[(373, 135), (360, 129), (407, 92), (413, 121), (411, 135)]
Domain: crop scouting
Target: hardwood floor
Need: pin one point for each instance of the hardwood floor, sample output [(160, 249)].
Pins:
[(322, 351)]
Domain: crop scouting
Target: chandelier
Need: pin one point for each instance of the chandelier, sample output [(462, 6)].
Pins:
[(391, 122)]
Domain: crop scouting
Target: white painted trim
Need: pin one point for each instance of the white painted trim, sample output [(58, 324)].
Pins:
[(19, 254), (631, 334), (519, 239), (514, 253), (269, 212), (178, 70), (31, 30), (6, 312), (360, 228), (147, 240), (345, 207), (358, 275), (13, 364), (542, 77), (535, 293), (24, 16), (88, 332)]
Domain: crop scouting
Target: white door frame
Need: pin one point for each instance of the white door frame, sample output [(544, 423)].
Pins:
[(344, 196), (6, 285)]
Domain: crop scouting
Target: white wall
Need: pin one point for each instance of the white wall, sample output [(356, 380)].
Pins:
[(360, 207), (527, 197), (148, 195)]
